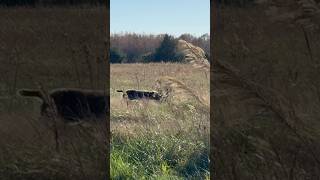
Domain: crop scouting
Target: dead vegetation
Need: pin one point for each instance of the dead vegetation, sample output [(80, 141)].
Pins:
[(265, 118), (50, 48), (160, 140), (194, 55)]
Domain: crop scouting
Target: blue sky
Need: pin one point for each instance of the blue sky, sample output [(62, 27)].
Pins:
[(174, 17)]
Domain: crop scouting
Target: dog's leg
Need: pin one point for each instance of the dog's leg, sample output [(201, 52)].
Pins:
[(125, 98), (127, 102)]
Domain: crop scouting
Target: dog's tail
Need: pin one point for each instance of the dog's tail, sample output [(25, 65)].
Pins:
[(30, 92), (120, 91)]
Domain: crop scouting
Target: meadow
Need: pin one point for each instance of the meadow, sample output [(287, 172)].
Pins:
[(265, 88), (265, 114), (63, 47), (50, 47), (152, 140)]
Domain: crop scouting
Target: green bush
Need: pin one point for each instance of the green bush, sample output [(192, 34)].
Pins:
[(167, 50), (116, 56)]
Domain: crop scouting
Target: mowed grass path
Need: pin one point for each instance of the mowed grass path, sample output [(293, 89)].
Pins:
[(158, 140)]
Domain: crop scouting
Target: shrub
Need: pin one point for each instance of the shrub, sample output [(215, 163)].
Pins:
[(116, 56)]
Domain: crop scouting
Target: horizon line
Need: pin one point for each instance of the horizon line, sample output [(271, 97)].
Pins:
[(149, 33)]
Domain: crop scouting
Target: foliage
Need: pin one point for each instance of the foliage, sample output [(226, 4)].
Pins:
[(142, 47), (116, 56), (167, 50), (157, 156)]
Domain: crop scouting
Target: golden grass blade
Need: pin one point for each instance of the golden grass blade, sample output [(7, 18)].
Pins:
[(194, 55), (272, 100), (171, 86), (304, 13)]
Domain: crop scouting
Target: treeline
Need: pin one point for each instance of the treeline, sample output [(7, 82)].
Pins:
[(133, 48), (50, 2)]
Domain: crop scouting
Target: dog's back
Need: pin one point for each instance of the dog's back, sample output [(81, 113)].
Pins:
[(133, 94), (73, 104)]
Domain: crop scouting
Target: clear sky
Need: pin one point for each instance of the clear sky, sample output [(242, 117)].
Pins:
[(174, 17)]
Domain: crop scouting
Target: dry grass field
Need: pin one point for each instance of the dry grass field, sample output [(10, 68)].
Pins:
[(158, 140), (265, 110), (54, 48), (266, 98)]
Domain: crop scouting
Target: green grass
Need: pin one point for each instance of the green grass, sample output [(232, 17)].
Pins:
[(158, 156)]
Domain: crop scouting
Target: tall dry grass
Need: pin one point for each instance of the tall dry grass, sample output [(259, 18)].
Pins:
[(160, 140), (50, 48), (265, 99)]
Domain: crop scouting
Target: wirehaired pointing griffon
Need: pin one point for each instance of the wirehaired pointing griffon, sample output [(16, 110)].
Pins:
[(140, 94), (71, 104)]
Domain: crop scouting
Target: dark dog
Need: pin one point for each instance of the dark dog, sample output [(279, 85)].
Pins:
[(72, 104), (139, 95)]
